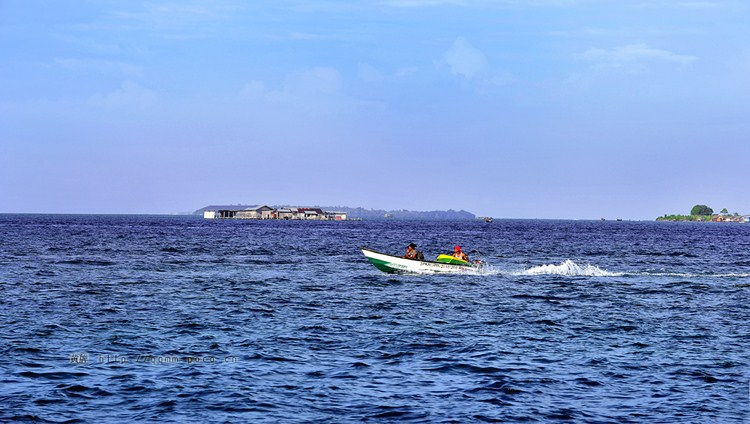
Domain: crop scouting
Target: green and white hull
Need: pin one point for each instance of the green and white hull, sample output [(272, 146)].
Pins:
[(396, 264)]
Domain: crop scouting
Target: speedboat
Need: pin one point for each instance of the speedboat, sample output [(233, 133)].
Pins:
[(443, 264)]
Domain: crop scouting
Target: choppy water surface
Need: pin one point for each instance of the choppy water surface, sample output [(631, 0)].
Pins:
[(177, 319)]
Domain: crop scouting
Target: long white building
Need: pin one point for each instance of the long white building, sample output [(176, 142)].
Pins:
[(267, 212)]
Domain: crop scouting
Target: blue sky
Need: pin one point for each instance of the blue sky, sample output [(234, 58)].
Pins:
[(519, 109)]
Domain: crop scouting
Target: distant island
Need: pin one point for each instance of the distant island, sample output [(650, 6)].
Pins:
[(240, 211), (403, 214), (703, 213)]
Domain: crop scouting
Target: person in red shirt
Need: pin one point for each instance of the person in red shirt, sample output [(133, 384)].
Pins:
[(459, 254)]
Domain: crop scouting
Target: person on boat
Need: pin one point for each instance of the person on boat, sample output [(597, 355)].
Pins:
[(411, 251), (459, 254)]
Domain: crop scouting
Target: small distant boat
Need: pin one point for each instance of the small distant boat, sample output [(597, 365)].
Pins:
[(396, 264), (488, 219)]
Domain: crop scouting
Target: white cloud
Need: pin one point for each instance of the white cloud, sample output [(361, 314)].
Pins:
[(466, 60), (253, 89), (406, 71), (369, 73), (314, 82), (634, 57), (470, 63), (130, 94), (317, 90), (180, 20)]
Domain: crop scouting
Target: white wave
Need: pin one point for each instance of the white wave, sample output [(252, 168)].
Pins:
[(692, 275), (487, 269), (731, 275), (569, 268)]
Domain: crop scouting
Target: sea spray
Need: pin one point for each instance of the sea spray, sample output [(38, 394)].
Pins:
[(569, 268)]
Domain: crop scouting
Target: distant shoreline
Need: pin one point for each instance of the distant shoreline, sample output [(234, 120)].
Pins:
[(704, 218), (354, 212)]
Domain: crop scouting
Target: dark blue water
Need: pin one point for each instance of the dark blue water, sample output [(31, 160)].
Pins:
[(177, 319)]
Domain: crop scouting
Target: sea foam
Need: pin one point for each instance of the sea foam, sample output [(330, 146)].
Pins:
[(569, 268)]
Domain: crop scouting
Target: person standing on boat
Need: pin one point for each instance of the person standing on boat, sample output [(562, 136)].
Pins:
[(459, 254), (411, 251)]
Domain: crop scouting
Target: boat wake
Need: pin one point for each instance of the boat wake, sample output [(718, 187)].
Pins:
[(693, 275), (566, 268), (569, 268)]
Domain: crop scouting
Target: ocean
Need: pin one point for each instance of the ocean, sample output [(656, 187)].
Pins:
[(179, 319)]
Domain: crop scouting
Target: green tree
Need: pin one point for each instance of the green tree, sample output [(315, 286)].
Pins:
[(724, 211), (701, 210)]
